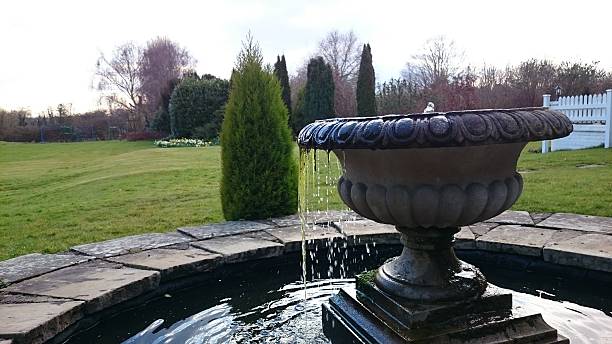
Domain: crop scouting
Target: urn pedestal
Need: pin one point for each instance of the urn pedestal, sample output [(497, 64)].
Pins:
[(429, 174)]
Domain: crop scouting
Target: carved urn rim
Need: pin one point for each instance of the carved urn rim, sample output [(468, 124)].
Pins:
[(436, 129)]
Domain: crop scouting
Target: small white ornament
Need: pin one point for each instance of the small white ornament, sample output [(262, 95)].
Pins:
[(430, 107)]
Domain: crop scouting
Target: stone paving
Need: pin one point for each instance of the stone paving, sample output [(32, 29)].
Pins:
[(291, 237), (240, 248), (521, 240), (172, 263), (99, 284), (34, 319), (586, 250), (584, 223), (36, 264), (513, 218), (130, 244), (42, 295), (360, 232)]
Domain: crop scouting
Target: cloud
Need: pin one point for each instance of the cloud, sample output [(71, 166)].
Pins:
[(49, 48)]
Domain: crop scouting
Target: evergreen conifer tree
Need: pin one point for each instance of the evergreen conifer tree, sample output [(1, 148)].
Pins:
[(318, 94), (366, 93), (259, 169), (280, 70)]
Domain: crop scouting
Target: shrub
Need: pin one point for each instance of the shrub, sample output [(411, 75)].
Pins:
[(259, 177), (210, 131), (161, 121), (194, 103), (21, 134)]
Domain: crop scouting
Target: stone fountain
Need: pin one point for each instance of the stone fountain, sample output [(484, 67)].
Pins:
[(428, 175)]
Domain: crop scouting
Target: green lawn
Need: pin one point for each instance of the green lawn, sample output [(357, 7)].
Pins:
[(53, 196)]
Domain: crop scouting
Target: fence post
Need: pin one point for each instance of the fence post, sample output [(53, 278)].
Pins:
[(608, 137), (546, 104)]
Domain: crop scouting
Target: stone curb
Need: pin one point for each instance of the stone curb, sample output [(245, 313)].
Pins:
[(43, 295)]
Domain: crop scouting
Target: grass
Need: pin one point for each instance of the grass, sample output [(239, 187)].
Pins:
[(54, 196), (559, 181)]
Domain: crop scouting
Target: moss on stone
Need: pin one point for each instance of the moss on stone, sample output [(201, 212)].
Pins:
[(365, 278)]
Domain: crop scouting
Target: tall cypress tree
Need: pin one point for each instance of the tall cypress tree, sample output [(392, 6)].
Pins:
[(280, 70), (318, 93), (366, 94)]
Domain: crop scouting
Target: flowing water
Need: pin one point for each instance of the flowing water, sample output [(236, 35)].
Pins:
[(237, 305)]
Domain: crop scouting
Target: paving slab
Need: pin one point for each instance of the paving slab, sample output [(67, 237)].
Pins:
[(171, 263), (36, 264), (521, 240), (34, 319), (99, 284), (587, 223), (512, 217), (590, 251), (482, 228), (286, 221), (291, 237), (322, 217), (333, 216), (365, 231), (240, 248), (224, 229), (131, 244), (539, 217), (465, 239)]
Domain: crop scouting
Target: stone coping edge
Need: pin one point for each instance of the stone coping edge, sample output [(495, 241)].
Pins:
[(185, 261)]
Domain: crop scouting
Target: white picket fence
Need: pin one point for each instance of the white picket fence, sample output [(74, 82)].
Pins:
[(591, 116)]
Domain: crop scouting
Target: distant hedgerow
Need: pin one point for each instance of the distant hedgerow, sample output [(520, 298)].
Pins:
[(259, 168)]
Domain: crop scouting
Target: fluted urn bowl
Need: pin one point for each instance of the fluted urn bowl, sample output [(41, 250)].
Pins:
[(429, 174)]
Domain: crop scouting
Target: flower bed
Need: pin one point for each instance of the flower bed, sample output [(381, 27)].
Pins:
[(173, 143)]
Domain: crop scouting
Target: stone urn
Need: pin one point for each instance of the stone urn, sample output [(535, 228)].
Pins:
[(428, 175)]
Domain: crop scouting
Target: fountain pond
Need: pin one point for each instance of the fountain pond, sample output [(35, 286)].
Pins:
[(236, 305)]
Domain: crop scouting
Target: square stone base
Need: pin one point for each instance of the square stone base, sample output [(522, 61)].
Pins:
[(405, 315), (368, 315)]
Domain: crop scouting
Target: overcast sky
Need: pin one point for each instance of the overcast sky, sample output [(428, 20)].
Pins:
[(48, 49)]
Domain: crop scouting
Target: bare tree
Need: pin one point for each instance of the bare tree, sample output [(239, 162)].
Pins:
[(118, 80), (162, 63), (493, 88), (342, 51), (297, 82), (345, 97), (437, 63), (531, 79)]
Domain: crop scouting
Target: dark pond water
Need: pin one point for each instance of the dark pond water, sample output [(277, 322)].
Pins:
[(263, 302)]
